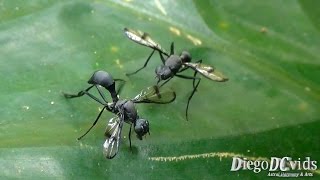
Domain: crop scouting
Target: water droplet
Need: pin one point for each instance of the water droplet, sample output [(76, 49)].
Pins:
[(175, 30), (26, 107)]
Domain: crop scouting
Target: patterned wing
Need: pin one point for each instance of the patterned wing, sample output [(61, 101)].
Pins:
[(154, 95), (143, 39), (207, 71), (113, 137)]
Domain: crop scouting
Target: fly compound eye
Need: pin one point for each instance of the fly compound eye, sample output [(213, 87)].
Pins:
[(141, 128), (185, 56)]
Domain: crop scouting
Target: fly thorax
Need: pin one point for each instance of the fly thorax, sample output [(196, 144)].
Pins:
[(163, 72), (129, 111), (174, 63), (119, 104)]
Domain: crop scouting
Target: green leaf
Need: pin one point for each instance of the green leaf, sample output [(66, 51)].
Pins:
[(269, 107)]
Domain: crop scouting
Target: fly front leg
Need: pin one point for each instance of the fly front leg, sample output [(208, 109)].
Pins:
[(172, 49), (193, 91), (84, 92), (195, 73), (145, 65), (94, 123), (130, 137)]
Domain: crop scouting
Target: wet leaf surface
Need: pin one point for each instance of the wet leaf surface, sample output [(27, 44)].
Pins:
[(269, 107)]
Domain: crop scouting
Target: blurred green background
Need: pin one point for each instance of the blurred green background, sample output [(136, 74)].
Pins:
[(269, 107)]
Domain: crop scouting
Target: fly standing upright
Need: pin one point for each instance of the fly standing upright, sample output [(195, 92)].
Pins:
[(173, 64)]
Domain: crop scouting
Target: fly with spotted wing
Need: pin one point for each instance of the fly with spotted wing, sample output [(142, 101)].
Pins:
[(174, 64), (124, 109)]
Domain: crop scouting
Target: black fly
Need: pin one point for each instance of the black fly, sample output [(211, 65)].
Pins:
[(124, 110), (173, 64)]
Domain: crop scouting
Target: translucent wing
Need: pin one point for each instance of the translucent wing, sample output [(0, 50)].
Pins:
[(207, 71), (154, 95), (143, 39), (113, 135)]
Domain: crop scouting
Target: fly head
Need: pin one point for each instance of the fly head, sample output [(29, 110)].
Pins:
[(185, 56), (141, 128)]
